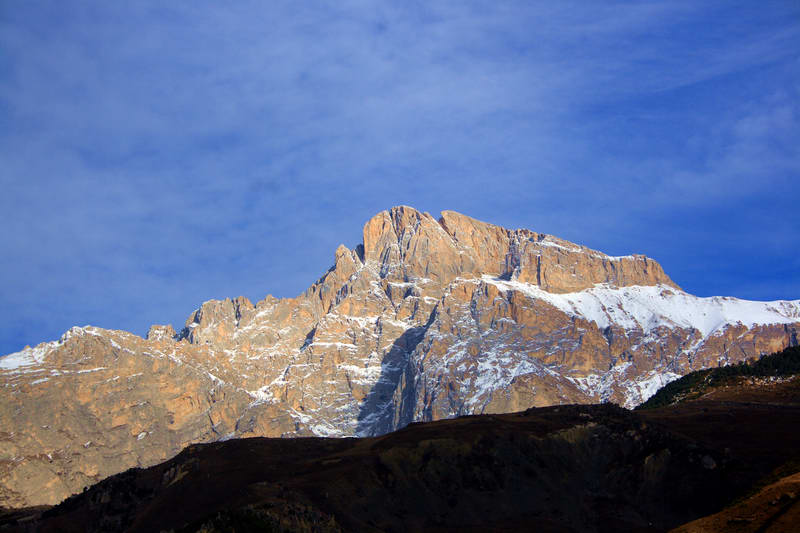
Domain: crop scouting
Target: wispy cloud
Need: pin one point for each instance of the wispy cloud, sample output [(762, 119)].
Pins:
[(156, 155)]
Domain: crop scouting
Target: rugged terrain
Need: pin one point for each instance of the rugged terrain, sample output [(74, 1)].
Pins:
[(425, 320), (711, 464)]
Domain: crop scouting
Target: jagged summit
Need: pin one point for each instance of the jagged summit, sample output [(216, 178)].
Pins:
[(407, 243), (410, 253), (426, 319), (404, 244)]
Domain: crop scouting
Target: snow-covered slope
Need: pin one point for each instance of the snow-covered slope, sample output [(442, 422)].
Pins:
[(649, 308)]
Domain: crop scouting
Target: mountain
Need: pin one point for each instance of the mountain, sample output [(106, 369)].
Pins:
[(592, 468), (426, 319)]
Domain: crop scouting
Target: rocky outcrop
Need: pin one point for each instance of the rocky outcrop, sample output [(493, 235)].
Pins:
[(426, 319), (101, 401), (216, 321), (159, 332)]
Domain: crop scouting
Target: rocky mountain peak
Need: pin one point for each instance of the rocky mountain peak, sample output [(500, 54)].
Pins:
[(407, 244), (402, 242), (426, 319), (406, 252)]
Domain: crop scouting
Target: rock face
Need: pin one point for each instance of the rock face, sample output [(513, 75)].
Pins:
[(427, 319)]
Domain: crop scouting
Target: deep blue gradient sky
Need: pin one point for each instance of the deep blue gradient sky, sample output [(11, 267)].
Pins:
[(154, 155)]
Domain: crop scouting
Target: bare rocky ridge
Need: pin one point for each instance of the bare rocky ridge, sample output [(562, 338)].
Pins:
[(426, 319)]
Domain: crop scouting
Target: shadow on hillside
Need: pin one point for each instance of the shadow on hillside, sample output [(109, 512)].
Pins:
[(376, 414)]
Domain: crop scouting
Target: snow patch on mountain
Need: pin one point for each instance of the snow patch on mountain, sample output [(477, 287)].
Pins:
[(26, 357), (651, 307), (635, 391), (643, 388)]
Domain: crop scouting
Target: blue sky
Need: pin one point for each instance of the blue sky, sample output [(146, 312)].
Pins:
[(154, 155)]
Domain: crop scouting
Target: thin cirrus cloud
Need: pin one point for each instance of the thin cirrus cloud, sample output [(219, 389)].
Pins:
[(157, 155)]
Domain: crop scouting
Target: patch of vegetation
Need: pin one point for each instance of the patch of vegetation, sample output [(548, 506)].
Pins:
[(695, 384)]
